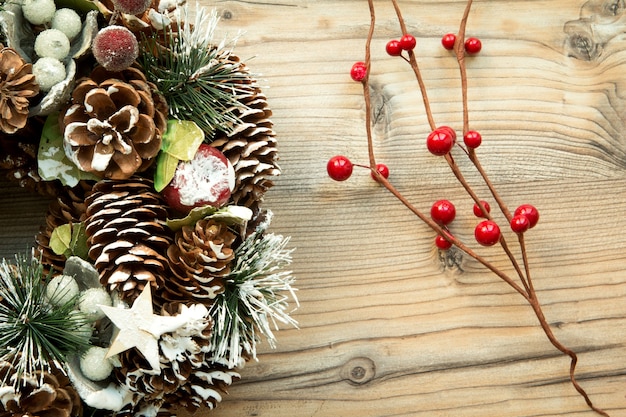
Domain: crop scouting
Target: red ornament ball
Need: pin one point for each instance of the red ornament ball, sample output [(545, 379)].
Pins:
[(487, 233), (477, 210), (442, 243), (472, 139), (358, 71), (440, 141), (339, 168), (448, 41), (382, 170), (134, 7), (408, 42), (473, 45), (394, 48), (520, 223), (443, 212), (115, 48), (530, 212)]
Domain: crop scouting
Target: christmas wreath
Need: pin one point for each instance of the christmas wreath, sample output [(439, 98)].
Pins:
[(154, 277)]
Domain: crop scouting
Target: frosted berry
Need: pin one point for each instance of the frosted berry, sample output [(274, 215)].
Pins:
[(442, 243), (443, 212), (472, 139), (473, 45), (68, 22), (358, 71), (132, 6), (408, 42), (52, 43), (115, 48), (206, 180), (48, 72), (448, 41), (38, 12), (530, 212), (477, 210), (520, 223), (440, 141), (394, 48), (487, 233), (382, 170), (339, 168)]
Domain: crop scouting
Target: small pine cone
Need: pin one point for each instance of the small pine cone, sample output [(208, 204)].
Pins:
[(114, 126), (17, 84), (251, 146), (55, 397), (127, 235), (199, 257), (68, 207)]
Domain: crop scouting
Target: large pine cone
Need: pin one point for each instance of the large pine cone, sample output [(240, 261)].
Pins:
[(251, 147), (68, 207), (127, 235), (114, 126), (55, 397), (199, 258), (17, 84)]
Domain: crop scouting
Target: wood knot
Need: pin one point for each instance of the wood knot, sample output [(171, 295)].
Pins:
[(359, 371), (227, 15)]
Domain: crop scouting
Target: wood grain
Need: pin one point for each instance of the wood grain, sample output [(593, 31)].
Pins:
[(389, 327)]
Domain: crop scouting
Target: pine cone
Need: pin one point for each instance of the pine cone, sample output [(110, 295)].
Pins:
[(55, 397), (127, 235), (17, 85), (251, 147), (199, 257), (114, 127), (68, 207)]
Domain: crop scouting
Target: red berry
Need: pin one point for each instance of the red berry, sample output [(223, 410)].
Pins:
[(472, 139), (358, 71), (448, 41), (408, 42), (477, 210), (530, 212), (394, 48), (115, 48), (382, 170), (339, 168), (487, 233), (206, 180), (440, 141), (473, 45), (131, 6), (442, 243), (443, 212), (520, 223)]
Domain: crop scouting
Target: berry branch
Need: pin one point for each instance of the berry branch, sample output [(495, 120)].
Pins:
[(441, 142)]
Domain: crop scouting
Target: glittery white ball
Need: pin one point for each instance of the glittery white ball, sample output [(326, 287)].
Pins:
[(91, 300), (84, 330), (48, 72), (94, 364), (38, 12), (61, 289), (52, 43), (68, 22)]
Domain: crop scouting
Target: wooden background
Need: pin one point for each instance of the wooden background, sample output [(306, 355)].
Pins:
[(389, 327)]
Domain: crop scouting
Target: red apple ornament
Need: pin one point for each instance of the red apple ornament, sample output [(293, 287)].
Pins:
[(206, 180)]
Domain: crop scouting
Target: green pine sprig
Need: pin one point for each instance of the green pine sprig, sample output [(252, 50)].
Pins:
[(33, 333), (197, 78), (256, 298)]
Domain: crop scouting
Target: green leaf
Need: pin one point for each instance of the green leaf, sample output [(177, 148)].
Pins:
[(182, 139), (61, 240), (165, 169), (80, 6), (228, 215), (69, 240), (52, 162)]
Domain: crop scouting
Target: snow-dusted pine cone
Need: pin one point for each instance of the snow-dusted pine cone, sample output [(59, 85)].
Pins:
[(114, 125), (199, 258), (55, 397), (251, 147), (17, 84), (127, 235), (68, 207)]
